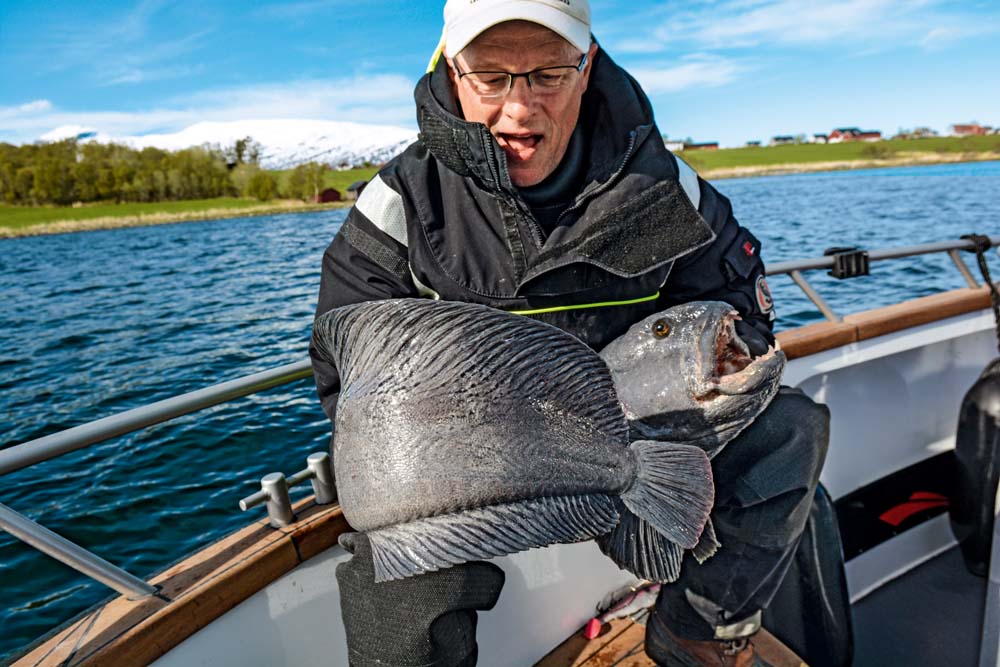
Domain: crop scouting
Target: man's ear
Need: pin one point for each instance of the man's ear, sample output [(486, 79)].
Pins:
[(591, 54)]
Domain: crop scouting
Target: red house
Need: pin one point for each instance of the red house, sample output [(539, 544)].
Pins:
[(853, 134), (326, 196), (704, 146), (970, 130)]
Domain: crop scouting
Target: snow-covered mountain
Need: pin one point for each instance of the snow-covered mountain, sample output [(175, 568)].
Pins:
[(285, 143)]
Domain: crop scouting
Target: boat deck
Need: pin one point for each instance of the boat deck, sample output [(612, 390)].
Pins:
[(932, 615), (619, 645), (928, 617)]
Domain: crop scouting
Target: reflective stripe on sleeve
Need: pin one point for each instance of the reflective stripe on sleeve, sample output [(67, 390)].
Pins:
[(689, 181), (383, 206)]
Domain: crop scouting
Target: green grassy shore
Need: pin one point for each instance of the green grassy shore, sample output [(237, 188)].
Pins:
[(798, 158), (726, 163), (35, 220)]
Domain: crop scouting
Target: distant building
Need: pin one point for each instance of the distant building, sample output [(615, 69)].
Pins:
[(853, 134), (753, 144), (674, 146), (702, 146), (919, 133), (821, 138), (326, 196), (355, 189), (970, 130), (781, 140)]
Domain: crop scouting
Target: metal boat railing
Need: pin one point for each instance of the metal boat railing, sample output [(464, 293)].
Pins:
[(274, 487)]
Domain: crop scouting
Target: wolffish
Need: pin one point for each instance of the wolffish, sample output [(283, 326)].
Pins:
[(464, 432)]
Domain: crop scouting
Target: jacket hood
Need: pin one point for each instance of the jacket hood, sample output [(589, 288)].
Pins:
[(614, 102)]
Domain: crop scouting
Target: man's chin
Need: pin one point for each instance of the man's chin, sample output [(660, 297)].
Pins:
[(525, 175)]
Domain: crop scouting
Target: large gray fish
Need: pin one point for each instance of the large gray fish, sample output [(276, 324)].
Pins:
[(684, 375), (464, 433)]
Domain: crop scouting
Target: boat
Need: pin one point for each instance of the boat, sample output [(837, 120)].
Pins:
[(894, 577)]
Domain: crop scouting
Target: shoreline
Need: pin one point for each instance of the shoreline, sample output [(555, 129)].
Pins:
[(165, 218), (911, 159)]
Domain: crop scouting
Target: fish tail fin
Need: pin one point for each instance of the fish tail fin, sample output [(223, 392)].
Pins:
[(673, 490), (639, 548)]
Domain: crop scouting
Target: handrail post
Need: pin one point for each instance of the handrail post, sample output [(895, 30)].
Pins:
[(75, 556), (970, 279), (814, 296), (323, 484), (279, 504)]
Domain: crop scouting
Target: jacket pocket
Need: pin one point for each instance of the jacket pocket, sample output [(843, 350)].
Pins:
[(742, 257)]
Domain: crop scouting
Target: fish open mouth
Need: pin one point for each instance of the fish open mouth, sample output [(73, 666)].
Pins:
[(735, 371)]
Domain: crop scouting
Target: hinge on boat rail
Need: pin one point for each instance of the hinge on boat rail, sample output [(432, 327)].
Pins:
[(274, 489), (848, 262)]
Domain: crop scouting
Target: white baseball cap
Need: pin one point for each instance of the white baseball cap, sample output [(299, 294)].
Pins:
[(464, 20)]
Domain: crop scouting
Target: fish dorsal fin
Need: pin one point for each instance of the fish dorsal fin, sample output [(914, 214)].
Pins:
[(431, 344), (438, 542)]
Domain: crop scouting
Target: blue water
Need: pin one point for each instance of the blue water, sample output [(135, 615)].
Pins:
[(98, 322)]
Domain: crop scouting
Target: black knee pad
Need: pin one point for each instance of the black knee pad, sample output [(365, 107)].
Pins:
[(807, 425), (427, 620)]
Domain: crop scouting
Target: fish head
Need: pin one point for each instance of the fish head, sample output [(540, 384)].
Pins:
[(684, 375)]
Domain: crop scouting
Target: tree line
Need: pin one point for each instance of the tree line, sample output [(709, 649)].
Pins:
[(67, 172)]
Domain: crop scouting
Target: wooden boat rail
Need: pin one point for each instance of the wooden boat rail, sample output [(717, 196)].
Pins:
[(258, 555)]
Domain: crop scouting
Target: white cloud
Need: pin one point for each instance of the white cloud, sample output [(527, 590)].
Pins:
[(381, 99), (129, 75), (696, 72), (143, 44), (943, 36), (28, 108), (730, 24)]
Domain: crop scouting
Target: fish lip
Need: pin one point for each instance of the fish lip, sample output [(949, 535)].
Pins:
[(745, 379)]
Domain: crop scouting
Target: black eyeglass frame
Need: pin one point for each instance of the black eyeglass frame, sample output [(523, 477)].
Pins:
[(511, 76)]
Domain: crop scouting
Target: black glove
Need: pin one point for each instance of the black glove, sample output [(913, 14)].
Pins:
[(427, 620), (756, 341)]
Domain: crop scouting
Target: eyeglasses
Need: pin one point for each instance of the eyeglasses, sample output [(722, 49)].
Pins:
[(542, 81)]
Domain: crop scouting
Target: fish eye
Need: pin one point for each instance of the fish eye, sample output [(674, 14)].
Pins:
[(661, 328)]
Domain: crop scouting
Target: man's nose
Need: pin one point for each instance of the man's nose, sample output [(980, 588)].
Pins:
[(520, 99)]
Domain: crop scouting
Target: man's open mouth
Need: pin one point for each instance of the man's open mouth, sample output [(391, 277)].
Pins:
[(519, 147)]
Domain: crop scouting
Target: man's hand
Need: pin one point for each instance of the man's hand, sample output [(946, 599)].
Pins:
[(754, 339)]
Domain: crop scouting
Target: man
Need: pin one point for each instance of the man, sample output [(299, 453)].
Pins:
[(540, 185)]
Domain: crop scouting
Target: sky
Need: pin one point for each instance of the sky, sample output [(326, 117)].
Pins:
[(716, 70)]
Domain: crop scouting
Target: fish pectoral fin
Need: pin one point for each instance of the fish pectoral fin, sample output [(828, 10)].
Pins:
[(673, 489), (430, 544), (639, 548), (707, 545)]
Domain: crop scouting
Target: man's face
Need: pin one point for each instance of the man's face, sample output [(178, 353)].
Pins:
[(533, 129)]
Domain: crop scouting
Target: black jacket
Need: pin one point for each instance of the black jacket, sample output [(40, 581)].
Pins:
[(443, 220)]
